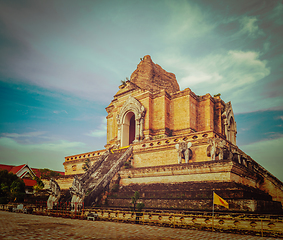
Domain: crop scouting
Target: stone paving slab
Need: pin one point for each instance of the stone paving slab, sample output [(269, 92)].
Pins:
[(26, 226)]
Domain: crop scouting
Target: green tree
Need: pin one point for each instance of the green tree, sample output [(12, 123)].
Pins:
[(17, 190), (135, 198), (47, 173), (86, 165), (140, 206), (12, 188), (39, 184), (128, 164)]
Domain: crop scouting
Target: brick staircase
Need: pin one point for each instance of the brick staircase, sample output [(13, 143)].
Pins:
[(100, 174)]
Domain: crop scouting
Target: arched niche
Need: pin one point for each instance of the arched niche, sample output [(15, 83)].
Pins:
[(130, 122), (230, 126), (232, 130)]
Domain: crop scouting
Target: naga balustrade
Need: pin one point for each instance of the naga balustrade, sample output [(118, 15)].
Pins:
[(253, 224)]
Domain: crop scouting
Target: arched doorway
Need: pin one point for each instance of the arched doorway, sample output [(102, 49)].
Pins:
[(128, 129), (130, 122)]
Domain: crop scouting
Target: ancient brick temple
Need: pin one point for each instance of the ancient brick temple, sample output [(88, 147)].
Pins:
[(183, 147)]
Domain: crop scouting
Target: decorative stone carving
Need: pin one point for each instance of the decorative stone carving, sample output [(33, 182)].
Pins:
[(237, 156), (211, 149), (134, 106), (54, 193), (216, 147), (230, 152), (230, 126), (221, 144), (78, 193), (241, 158), (184, 151)]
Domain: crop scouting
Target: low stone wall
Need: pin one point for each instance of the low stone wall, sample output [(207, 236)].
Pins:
[(245, 205), (74, 164), (218, 171), (251, 174), (196, 196)]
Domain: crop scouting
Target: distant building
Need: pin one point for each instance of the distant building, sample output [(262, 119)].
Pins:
[(26, 173)]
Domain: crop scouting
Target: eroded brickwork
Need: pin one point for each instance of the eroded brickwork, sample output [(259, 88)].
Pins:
[(150, 76)]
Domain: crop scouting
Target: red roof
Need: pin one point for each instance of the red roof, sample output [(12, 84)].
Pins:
[(36, 172), (6, 167), (29, 182), (17, 168)]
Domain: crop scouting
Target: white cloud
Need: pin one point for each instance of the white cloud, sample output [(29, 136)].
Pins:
[(58, 146), (42, 155), (276, 15), (57, 52), (249, 68), (230, 70), (101, 131), (63, 53), (186, 21), (60, 111), (201, 77), (250, 27), (268, 154), (97, 133), (21, 135), (280, 117), (234, 74)]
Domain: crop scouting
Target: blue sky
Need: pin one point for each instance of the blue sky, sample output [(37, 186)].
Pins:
[(61, 62)]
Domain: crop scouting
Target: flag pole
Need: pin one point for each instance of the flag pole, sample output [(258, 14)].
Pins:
[(212, 210)]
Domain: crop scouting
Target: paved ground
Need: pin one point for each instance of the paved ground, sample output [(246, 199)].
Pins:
[(26, 226)]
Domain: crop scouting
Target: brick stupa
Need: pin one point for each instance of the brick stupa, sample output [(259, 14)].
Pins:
[(179, 148)]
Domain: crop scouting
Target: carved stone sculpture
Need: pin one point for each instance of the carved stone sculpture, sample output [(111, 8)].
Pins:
[(216, 147), (221, 144), (211, 149), (184, 151), (78, 193), (54, 193)]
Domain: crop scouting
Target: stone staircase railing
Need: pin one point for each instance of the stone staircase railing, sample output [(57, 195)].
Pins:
[(104, 173)]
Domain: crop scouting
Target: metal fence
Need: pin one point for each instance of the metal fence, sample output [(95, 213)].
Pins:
[(262, 226)]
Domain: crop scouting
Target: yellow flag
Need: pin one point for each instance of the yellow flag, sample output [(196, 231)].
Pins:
[(219, 201)]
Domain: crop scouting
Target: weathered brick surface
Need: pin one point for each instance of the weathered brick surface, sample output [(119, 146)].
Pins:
[(150, 76), (196, 196)]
